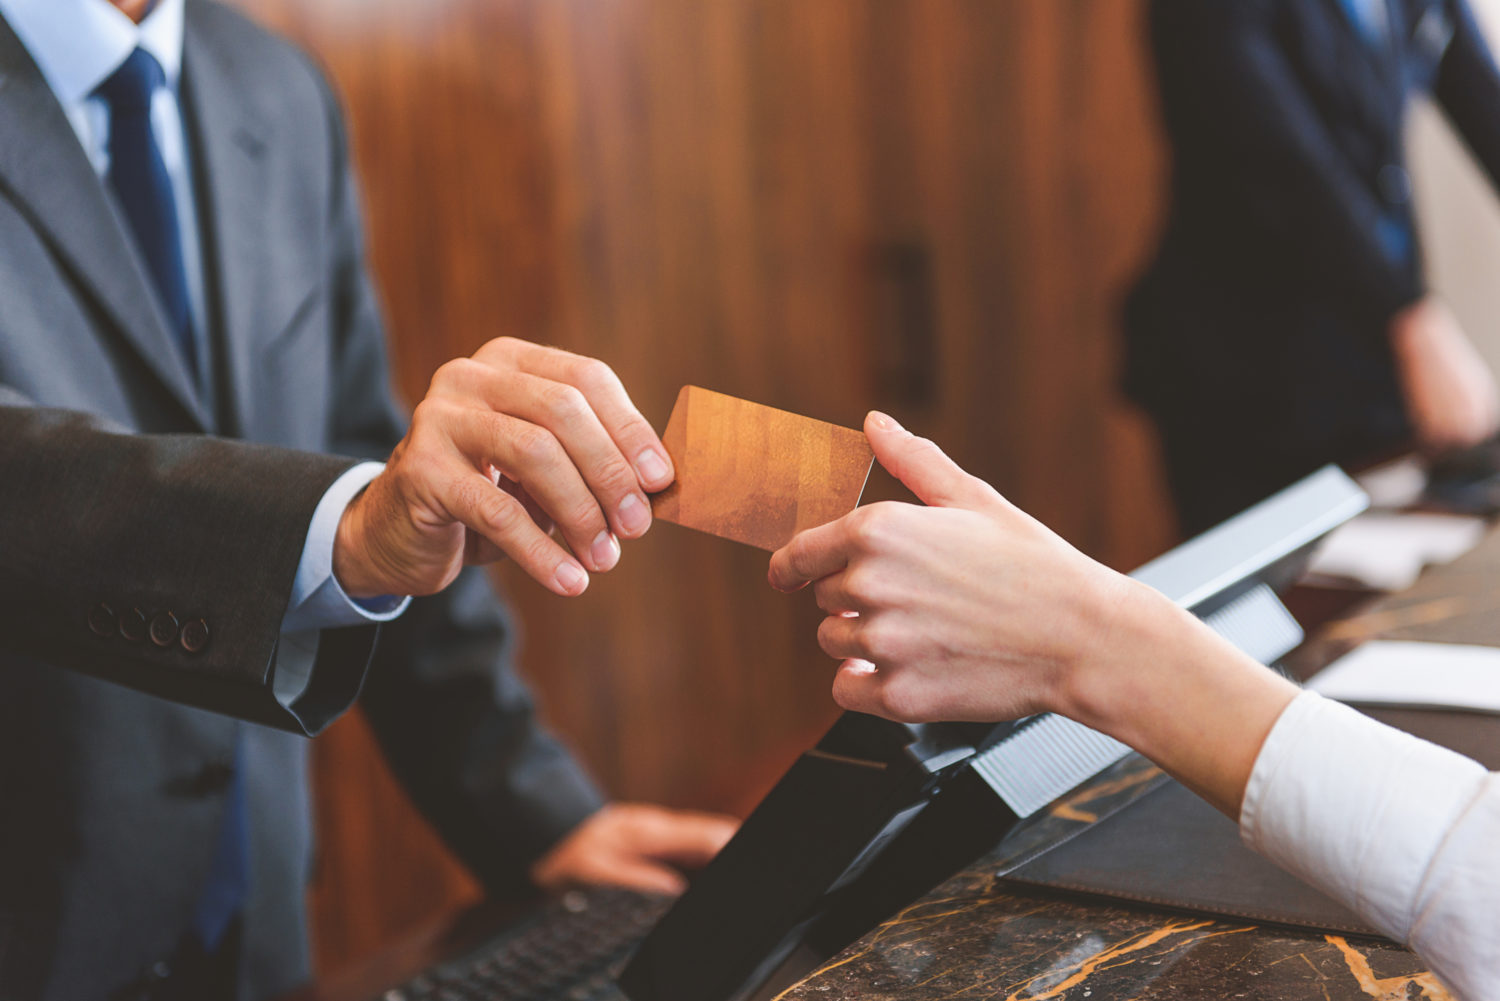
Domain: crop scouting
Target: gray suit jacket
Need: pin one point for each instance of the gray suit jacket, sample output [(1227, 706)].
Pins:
[(123, 496)]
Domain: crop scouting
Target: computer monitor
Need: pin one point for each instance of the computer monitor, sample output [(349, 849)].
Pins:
[(877, 813)]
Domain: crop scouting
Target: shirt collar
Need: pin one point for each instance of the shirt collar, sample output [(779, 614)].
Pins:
[(77, 44)]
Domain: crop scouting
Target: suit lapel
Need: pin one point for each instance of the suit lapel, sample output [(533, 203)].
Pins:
[(232, 139), (50, 177)]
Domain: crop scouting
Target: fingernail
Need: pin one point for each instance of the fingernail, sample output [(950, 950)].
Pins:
[(652, 468), (571, 578), (605, 551), (880, 420), (634, 515)]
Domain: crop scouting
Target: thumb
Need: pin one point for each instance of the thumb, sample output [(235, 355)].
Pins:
[(937, 480)]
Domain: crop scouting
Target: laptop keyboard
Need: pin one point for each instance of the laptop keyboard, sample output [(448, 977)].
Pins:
[(571, 950)]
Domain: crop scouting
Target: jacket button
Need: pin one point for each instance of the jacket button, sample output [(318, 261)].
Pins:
[(102, 620), (164, 629), (194, 635), (133, 625)]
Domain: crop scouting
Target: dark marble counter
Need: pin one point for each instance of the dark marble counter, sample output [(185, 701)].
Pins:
[(976, 938)]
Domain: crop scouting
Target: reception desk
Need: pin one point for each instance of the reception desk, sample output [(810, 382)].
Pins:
[(978, 937)]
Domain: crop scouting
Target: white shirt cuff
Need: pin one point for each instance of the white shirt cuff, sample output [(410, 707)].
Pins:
[(1356, 808), (318, 601)]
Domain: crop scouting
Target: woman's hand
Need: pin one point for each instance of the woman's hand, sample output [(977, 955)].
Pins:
[(968, 609)]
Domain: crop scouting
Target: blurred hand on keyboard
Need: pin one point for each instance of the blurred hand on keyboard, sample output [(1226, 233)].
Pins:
[(641, 847)]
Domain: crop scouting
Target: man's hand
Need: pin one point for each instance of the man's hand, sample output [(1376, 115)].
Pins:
[(1450, 393), (641, 847), (507, 444)]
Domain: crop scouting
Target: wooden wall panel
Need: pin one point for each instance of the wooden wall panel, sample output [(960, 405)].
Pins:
[(928, 206)]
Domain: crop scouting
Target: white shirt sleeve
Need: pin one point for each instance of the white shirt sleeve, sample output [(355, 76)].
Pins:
[(318, 602), (1401, 831)]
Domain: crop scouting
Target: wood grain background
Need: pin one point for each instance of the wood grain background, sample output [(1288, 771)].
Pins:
[(929, 206)]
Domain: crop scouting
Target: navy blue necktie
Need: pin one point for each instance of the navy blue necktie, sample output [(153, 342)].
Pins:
[(144, 188), (228, 887), (1371, 18), (1394, 230)]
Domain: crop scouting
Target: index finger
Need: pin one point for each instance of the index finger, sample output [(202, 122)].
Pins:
[(605, 393), (811, 555)]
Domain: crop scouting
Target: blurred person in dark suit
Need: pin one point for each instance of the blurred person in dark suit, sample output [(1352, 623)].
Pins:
[(198, 570), (1284, 322)]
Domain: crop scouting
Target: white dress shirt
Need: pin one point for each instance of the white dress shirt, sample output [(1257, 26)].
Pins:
[(77, 45), (1403, 832)]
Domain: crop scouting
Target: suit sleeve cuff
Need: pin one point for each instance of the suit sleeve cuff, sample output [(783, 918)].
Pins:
[(318, 601)]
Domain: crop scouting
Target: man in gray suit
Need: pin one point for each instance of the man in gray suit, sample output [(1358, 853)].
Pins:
[(197, 570)]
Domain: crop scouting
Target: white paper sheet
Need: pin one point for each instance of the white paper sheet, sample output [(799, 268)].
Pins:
[(1388, 551), (1397, 484), (1415, 675)]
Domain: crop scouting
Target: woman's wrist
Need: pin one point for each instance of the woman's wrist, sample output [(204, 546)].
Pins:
[(1174, 690), (1133, 627)]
